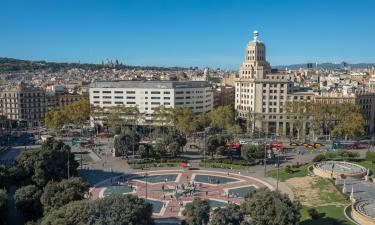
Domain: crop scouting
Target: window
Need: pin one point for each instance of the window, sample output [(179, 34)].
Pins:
[(130, 97), (96, 102), (130, 103), (96, 92), (155, 92), (118, 103), (155, 97), (167, 92), (155, 103), (167, 98), (167, 103), (119, 97), (107, 97), (106, 102), (119, 92), (179, 92), (179, 97), (106, 92), (96, 97), (130, 92)]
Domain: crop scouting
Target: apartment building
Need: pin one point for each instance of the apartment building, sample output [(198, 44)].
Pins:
[(262, 92), (147, 95), (25, 104), (364, 99), (58, 100)]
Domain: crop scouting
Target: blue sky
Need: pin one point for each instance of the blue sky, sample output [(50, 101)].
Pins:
[(200, 33)]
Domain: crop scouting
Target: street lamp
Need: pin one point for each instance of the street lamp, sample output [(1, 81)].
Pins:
[(265, 159), (278, 166), (146, 183)]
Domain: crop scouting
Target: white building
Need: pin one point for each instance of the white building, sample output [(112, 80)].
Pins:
[(147, 95), (261, 93)]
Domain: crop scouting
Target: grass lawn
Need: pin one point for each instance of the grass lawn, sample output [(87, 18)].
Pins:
[(367, 164), (330, 215), (318, 193), (297, 172)]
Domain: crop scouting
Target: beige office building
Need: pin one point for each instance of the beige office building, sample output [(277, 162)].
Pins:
[(262, 93)]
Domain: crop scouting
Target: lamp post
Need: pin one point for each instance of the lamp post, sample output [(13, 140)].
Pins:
[(146, 183), (68, 163), (265, 159), (278, 166)]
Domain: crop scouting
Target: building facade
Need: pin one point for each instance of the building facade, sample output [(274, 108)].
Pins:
[(261, 93), (147, 95), (224, 95), (59, 100), (25, 104)]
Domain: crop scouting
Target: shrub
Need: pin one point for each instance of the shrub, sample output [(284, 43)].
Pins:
[(330, 155), (288, 169), (319, 158), (313, 213)]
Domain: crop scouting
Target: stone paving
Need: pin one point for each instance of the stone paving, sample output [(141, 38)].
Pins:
[(169, 196)]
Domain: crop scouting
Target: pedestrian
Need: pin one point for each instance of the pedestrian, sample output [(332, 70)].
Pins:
[(206, 193), (164, 197)]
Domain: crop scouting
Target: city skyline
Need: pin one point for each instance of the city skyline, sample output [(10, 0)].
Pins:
[(190, 33)]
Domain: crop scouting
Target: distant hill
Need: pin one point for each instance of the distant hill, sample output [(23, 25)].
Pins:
[(332, 66), (14, 65)]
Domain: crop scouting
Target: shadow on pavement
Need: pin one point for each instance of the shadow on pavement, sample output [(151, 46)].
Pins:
[(95, 176)]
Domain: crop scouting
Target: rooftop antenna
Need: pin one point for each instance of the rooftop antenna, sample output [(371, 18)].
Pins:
[(255, 35)]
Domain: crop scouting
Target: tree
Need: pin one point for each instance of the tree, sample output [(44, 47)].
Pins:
[(77, 112), (351, 124), (213, 143), (174, 149), (200, 121), (47, 163), (271, 208), (3, 177), (73, 213), (222, 117), (120, 209), (197, 212), (3, 205), (182, 118), (234, 130), (252, 152), (27, 201), (57, 194), (230, 215), (298, 114)]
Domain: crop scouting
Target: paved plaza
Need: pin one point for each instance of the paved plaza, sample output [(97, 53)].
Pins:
[(170, 190)]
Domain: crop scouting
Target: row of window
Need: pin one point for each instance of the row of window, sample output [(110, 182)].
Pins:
[(130, 92)]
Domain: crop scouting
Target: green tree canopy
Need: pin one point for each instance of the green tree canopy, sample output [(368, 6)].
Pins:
[(230, 215), (4, 176), (222, 117), (57, 194), (73, 213), (120, 210), (197, 212), (252, 152), (213, 143), (271, 208), (47, 163), (27, 200), (3, 205)]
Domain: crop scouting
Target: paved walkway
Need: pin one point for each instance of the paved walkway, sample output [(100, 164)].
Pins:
[(215, 188)]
